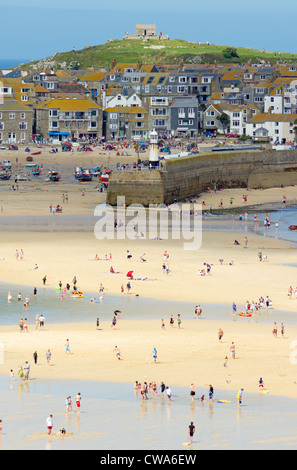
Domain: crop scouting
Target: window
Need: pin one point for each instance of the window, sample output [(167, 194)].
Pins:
[(23, 125), (210, 123), (23, 136), (172, 79), (25, 90), (181, 89), (150, 79), (125, 79), (146, 89), (112, 77), (210, 113), (138, 124), (94, 112), (54, 124), (191, 112), (182, 79), (93, 124), (113, 115), (135, 79), (1, 125), (236, 115), (159, 122), (181, 112), (276, 124), (23, 115), (259, 90), (235, 123), (139, 116), (113, 126), (169, 89), (161, 79), (53, 112), (24, 98), (276, 131)]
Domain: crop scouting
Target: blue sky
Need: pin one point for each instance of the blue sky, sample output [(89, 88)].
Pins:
[(30, 30)]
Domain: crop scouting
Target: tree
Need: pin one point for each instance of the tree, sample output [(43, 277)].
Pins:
[(224, 120), (230, 53)]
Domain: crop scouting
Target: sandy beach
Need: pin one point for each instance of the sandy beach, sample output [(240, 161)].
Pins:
[(190, 354)]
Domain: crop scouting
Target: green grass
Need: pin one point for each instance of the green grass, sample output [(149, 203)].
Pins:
[(175, 50)]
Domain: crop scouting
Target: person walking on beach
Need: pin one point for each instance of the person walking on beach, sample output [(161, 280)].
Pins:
[(274, 330), (41, 320), (117, 352), (220, 334), (35, 356), (191, 431), (44, 280), (155, 355), (232, 350), (171, 321), (49, 424), (178, 321), (245, 242), (282, 330), (234, 308), (48, 356), (67, 347)]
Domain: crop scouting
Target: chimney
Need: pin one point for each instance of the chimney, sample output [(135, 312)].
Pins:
[(113, 63)]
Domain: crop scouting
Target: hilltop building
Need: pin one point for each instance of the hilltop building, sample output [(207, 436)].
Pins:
[(146, 32)]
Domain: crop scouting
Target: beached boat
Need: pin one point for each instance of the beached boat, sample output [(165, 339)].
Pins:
[(83, 174), (5, 176), (36, 153), (37, 171), (54, 175), (31, 165), (293, 227), (104, 178)]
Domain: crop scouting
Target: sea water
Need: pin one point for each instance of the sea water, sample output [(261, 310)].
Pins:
[(113, 417)]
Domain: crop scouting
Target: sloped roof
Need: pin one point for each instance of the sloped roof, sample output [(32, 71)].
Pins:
[(69, 105), (265, 117), (13, 105)]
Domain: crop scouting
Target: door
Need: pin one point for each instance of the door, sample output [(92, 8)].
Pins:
[(11, 137)]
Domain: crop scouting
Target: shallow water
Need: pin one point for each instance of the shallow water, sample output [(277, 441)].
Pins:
[(49, 303), (112, 416)]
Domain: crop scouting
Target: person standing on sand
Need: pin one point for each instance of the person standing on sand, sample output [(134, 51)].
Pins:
[(274, 330), (191, 431), (282, 329), (35, 356)]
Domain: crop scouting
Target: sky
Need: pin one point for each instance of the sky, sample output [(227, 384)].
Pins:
[(34, 29)]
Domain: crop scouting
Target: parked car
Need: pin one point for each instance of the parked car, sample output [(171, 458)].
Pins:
[(232, 135), (208, 133)]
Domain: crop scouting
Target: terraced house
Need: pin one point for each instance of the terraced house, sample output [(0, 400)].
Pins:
[(16, 121), (130, 122), (69, 118)]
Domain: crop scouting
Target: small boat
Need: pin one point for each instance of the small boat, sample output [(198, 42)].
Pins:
[(54, 175), (77, 295), (36, 153), (245, 314), (5, 176), (104, 177), (85, 176), (293, 227), (31, 165), (37, 171)]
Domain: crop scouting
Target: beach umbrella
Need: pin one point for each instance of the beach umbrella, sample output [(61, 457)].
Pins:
[(129, 273)]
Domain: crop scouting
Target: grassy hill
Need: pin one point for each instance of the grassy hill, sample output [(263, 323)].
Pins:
[(157, 52)]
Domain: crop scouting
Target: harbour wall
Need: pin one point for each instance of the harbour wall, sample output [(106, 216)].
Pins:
[(183, 177)]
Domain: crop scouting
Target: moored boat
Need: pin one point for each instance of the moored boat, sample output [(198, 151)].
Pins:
[(293, 227)]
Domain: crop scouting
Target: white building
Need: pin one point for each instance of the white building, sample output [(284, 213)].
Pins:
[(275, 126)]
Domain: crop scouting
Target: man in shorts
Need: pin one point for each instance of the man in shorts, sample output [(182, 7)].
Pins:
[(191, 431)]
